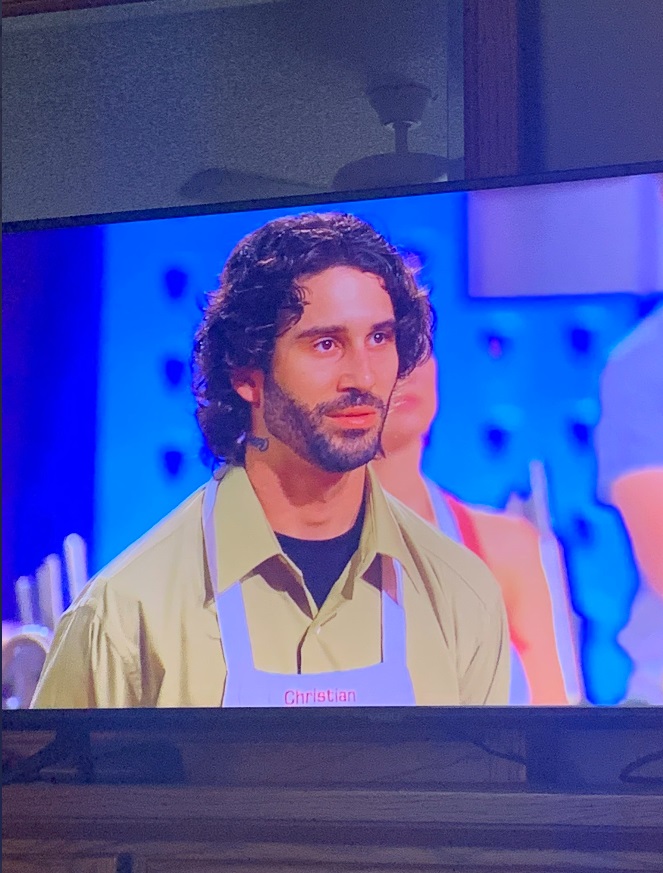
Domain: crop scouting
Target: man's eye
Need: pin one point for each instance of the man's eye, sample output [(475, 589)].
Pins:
[(325, 345), (380, 337)]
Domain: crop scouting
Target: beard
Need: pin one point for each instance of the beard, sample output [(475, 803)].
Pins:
[(304, 431)]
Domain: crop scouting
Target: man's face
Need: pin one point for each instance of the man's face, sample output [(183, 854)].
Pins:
[(412, 409), (333, 372)]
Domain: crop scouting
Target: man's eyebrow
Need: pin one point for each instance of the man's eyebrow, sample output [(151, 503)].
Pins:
[(321, 330), (336, 329), (389, 324)]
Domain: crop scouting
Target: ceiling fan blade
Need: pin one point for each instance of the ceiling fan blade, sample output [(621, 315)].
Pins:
[(390, 170), (220, 183)]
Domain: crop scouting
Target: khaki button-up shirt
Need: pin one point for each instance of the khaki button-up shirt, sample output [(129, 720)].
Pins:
[(145, 632)]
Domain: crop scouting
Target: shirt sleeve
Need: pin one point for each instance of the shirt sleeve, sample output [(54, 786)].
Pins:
[(87, 666), (486, 677)]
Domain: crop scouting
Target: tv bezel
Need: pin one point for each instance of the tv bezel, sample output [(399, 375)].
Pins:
[(415, 722), (339, 722), (331, 197)]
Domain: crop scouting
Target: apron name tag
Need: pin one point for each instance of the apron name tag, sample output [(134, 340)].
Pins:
[(316, 696)]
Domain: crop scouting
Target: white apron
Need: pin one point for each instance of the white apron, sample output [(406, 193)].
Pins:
[(385, 684)]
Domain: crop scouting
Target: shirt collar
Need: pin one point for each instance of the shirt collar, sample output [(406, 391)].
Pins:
[(245, 539)]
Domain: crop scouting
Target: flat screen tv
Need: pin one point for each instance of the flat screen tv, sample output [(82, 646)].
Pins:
[(533, 437)]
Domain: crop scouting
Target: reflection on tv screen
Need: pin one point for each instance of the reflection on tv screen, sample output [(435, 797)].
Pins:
[(242, 469)]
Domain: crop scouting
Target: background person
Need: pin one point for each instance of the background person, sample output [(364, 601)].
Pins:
[(629, 452), (509, 544)]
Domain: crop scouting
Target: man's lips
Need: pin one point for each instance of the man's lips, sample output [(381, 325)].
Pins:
[(356, 416)]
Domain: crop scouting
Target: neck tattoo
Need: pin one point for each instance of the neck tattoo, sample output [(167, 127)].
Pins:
[(260, 443)]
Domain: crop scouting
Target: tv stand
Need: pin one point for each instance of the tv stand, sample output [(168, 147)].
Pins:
[(470, 791)]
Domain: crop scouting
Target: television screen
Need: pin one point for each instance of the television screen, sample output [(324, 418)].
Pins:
[(530, 443)]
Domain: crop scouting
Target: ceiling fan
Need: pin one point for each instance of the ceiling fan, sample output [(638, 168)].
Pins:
[(399, 107), (220, 184)]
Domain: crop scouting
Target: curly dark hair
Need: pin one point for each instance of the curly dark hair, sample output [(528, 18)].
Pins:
[(259, 297)]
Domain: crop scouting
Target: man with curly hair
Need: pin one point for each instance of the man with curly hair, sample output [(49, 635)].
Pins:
[(291, 578)]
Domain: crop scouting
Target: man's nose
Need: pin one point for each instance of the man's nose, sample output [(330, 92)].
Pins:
[(359, 371)]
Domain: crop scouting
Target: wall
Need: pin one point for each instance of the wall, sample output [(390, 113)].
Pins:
[(601, 81), (115, 109)]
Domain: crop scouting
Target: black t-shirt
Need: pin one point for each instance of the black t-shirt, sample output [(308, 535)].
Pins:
[(323, 561)]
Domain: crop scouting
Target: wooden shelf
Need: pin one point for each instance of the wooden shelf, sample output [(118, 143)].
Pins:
[(194, 828)]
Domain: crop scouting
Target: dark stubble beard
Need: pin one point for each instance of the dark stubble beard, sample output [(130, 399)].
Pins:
[(303, 429)]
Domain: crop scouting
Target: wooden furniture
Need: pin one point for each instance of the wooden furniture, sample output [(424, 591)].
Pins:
[(360, 794), (163, 830)]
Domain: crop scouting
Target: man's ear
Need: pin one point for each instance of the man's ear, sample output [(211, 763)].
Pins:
[(248, 383)]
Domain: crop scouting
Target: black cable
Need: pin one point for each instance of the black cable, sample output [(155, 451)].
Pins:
[(625, 775), (507, 756)]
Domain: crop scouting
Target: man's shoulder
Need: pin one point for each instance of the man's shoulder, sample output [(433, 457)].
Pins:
[(444, 563), (169, 549)]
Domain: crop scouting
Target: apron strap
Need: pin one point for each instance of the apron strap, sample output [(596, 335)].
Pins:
[(394, 634), (231, 614), (445, 518), (234, 628)]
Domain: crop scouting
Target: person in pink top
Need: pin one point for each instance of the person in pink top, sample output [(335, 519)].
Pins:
[(508, 544)]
